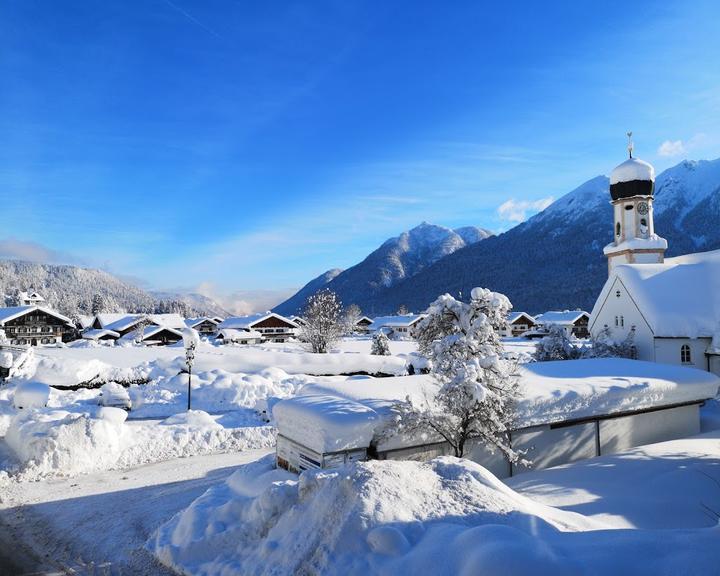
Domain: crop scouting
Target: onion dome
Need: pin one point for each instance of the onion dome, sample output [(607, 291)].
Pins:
[(634, 177)]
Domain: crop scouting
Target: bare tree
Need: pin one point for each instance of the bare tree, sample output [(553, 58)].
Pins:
[(477, 387), (323, 321), (353, 313)]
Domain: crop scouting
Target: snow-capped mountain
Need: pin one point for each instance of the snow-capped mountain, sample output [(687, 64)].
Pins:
[(554, 260), (296, 302), (395, 260)]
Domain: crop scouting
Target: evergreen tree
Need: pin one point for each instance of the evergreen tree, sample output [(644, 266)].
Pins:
[(380, 344), (98, 304)]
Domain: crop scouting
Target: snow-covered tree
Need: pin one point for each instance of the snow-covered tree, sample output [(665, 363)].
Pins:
[(98, 304), (477, 387), (350, 318), (604, 346), (556, 346), (323, 321), (380, 344), (402, 311), (140, 330)]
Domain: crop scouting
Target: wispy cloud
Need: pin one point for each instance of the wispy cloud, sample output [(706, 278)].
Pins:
[(519, 210), (16, 249), (670, 148), (244, 301)]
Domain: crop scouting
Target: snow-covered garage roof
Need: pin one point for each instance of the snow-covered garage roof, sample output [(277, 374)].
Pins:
[(551, 392), (396, 321), (680, 298)]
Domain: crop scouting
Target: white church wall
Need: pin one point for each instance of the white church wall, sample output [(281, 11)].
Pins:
[(714, 364), (628, 315), (667, 351)]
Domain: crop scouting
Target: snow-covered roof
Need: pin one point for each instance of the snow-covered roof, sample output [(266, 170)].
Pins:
[(551, 392), (86, 321), (233, 334), (247, 322), (679, 298), (107, 318), (632, 169), (96, 334), (513, 316), (652, 242), (396, 321), (192, 322), (123, 322), (364, 319), (168, 320), (12, 312), (151, 331), (561, 318)]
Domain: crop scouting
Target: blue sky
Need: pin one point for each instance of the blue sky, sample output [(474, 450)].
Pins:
[(245, 147)]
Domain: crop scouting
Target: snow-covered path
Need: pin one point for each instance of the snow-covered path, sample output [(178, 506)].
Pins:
[(99, 523)]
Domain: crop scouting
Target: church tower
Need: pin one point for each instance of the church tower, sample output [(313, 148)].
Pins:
[(632, 184)]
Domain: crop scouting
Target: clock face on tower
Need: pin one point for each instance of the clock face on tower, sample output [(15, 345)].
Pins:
[(642, 208)]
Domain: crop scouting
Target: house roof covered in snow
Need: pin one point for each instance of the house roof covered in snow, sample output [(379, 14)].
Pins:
[(96, 334), (168, 320), (515, 316), (404, 321), (561, 318), (12, 312), (248, 322), (192, 322), (124, 322), (107, 318), (679, 298)]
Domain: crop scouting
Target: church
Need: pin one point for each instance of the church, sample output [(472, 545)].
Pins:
[(671, 304)]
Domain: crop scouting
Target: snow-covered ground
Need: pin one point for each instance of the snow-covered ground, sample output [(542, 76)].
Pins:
[(652, 510)]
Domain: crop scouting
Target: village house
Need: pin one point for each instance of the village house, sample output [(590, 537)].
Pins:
[(574, 322), (272, 326), (156, 328), (35, 326), (362, 325), (236, 336), (670, 305), (397, 326), (518, 323), (30, 298), (204, 325)]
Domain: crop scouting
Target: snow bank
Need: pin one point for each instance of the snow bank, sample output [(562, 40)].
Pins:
[(53, 442), (373, 517), (446, 516), (31, 395)]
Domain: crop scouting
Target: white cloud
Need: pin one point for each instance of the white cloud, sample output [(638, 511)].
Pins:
[(679, 148), (672, 148), (245, 301), (15, 249), (518, 210)]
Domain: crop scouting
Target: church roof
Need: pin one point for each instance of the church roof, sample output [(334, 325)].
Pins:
[(679, 298)]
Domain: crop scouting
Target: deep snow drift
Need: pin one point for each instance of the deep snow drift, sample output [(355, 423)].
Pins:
[(446, 516)]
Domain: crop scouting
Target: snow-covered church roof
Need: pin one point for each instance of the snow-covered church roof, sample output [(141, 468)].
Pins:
[(632, 169), (679, 298)]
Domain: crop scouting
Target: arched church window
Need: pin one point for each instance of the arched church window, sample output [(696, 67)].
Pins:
[(622, 321), (617, 229), (685, 356)]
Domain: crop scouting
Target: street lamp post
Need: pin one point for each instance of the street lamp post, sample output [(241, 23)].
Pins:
[(191, 339)]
